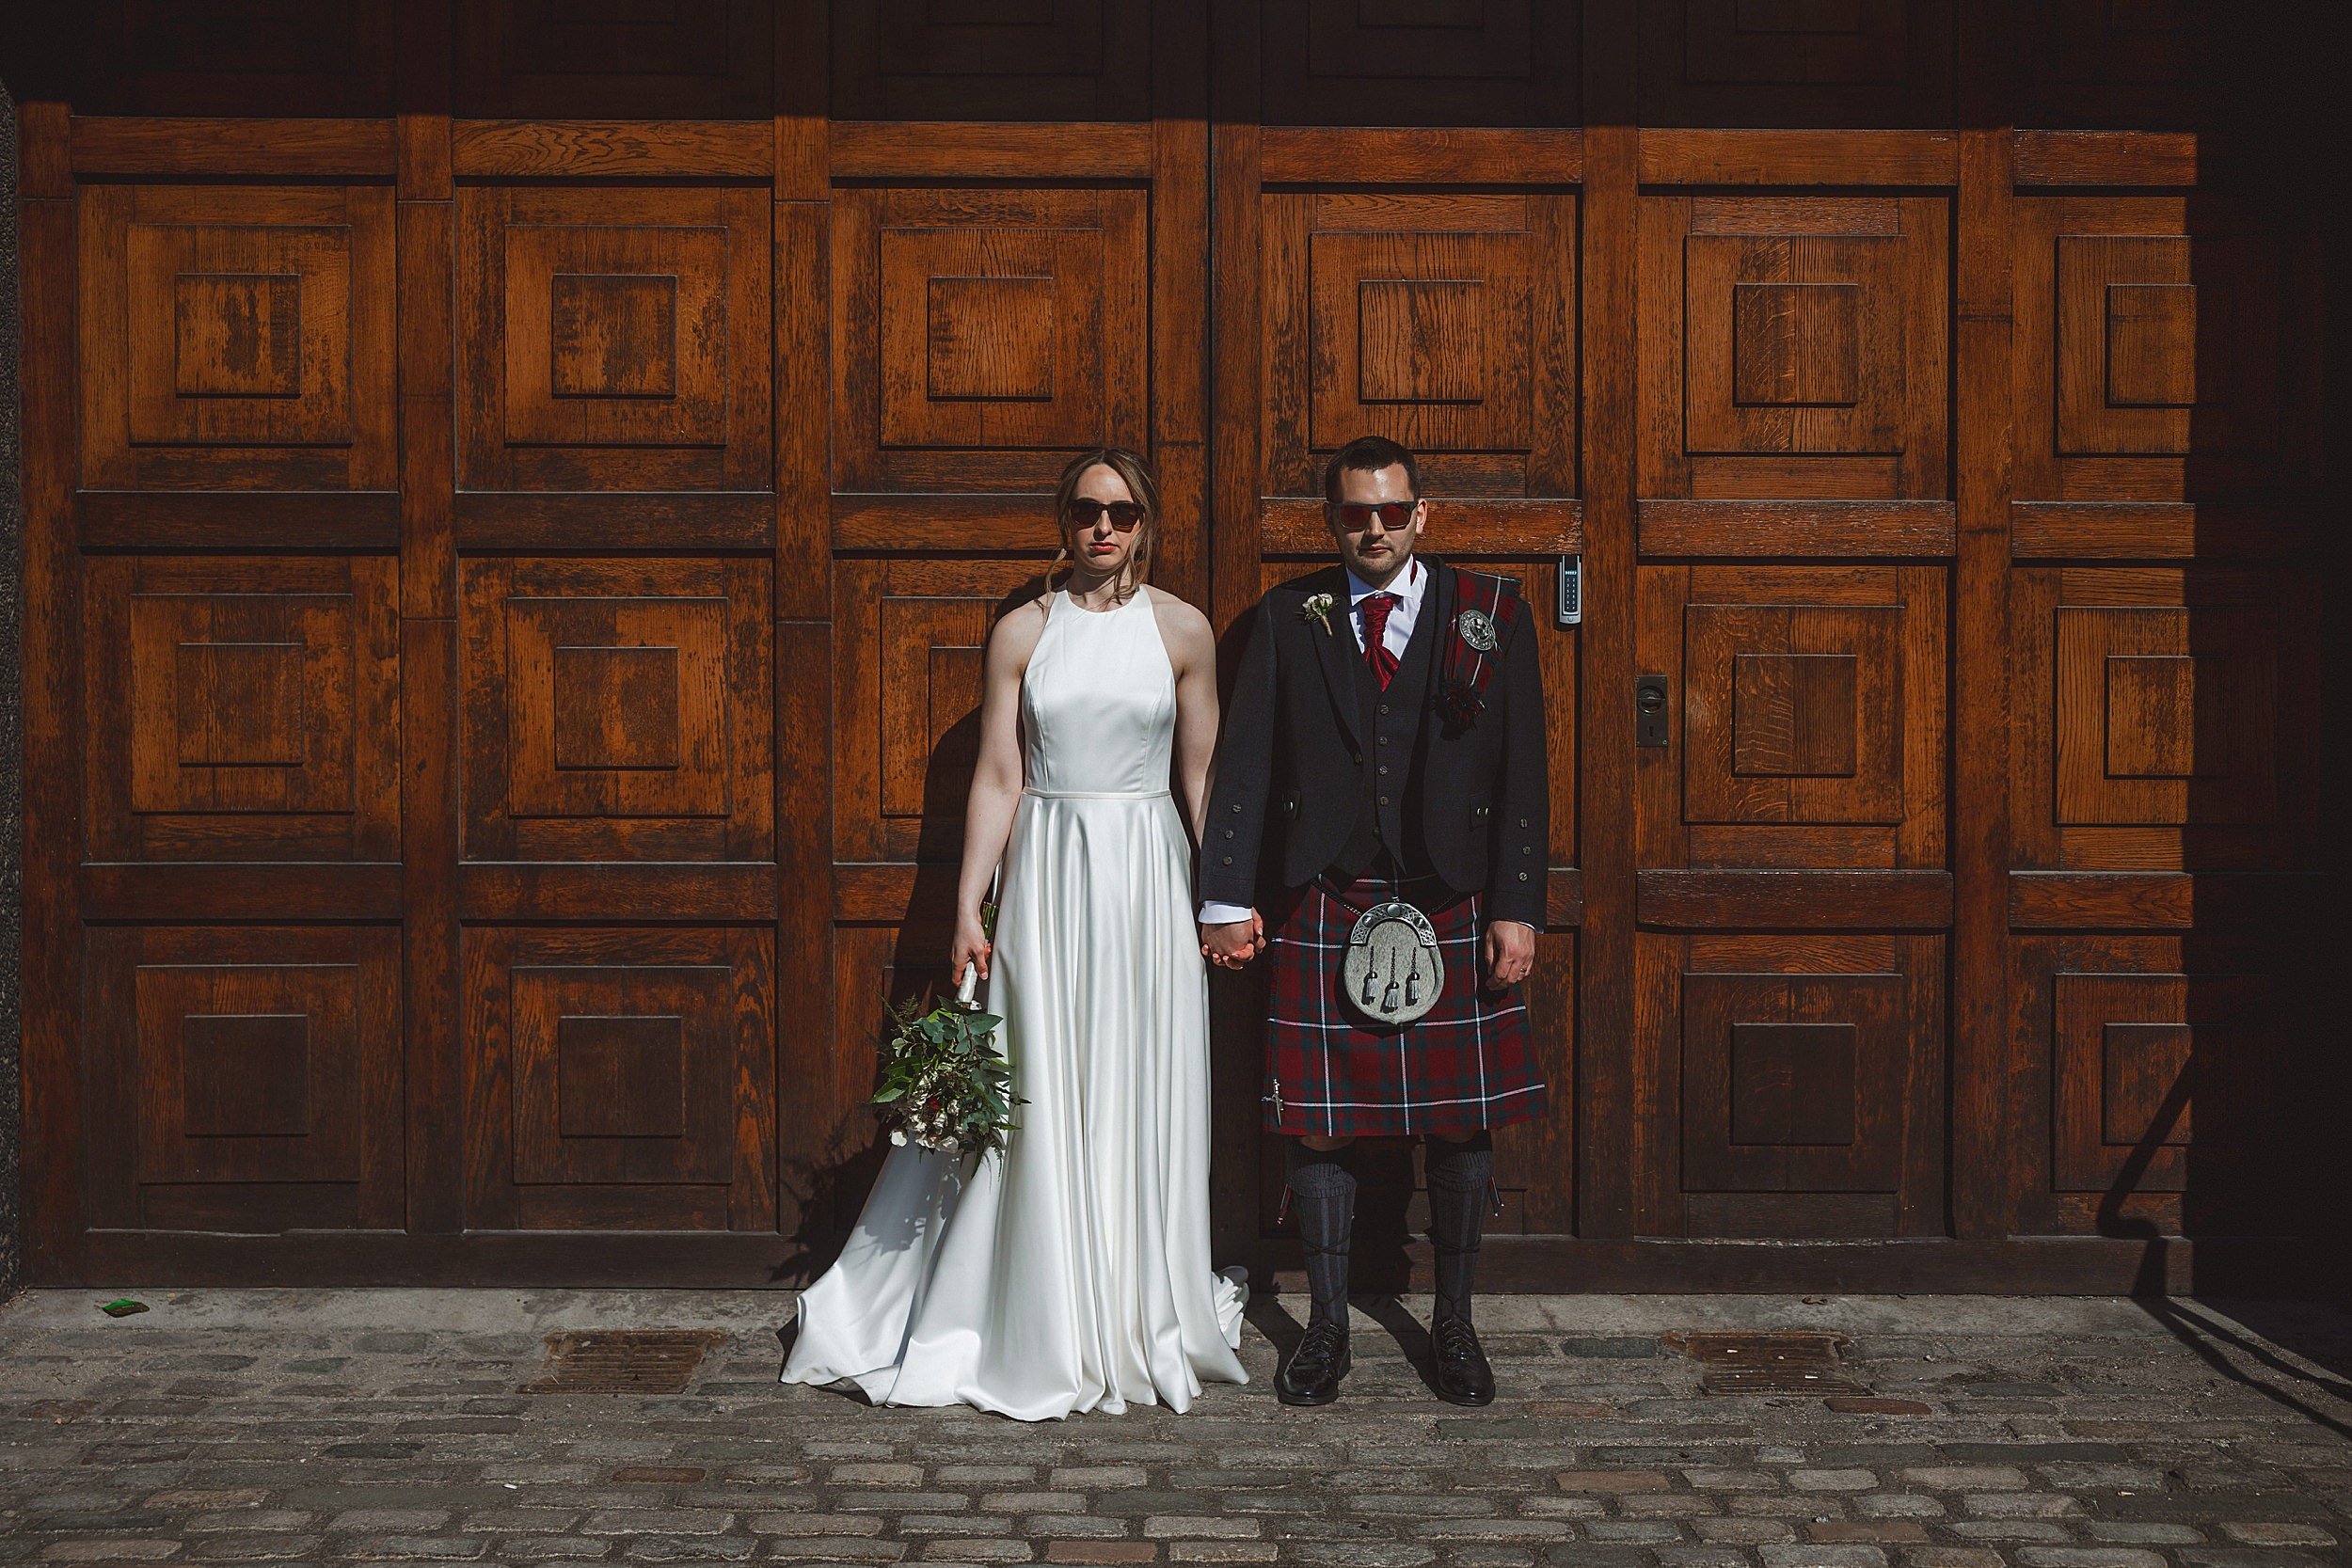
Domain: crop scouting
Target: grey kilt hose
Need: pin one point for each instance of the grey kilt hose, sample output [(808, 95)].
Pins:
[(1467, 1064)]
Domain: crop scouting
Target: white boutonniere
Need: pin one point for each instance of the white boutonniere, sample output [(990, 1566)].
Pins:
[(1318, 608)]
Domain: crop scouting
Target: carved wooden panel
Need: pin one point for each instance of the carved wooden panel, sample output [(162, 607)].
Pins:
[(1444, 322), (1811, 728), (992, 60), (243, 708), (1421, 62), (246, 1078), (612, 339), (1796, 346), (1805, 1080), (620, 1078), (236, 338), (619, 59), (873, 966), (2165, 718), (983, 336), (2136, 63), (618, 710), (907, 692), (2171, 1066), (2154, 366), (252, 57), (1800, 62)]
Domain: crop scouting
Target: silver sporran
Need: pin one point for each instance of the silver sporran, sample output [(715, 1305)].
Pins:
[(1391, 973)]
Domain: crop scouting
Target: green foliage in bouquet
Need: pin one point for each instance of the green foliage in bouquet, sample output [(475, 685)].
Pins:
[(944, 1083)]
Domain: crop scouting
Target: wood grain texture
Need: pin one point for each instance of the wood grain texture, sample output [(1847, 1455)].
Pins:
[(1466, 527), (232, 520), (2157, 531), (161, 146), (881, 151), (1799, 157), (2047, 158), (612, 148), (1308, 154), (1796, 529), (1828, 900)]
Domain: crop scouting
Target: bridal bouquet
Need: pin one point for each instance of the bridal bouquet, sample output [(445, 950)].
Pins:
[(944, 1082)]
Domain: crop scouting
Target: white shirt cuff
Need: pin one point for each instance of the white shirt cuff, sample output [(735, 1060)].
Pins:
[(1213, 913)]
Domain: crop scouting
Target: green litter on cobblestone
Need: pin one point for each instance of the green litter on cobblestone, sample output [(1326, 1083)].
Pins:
[(122, 1306)]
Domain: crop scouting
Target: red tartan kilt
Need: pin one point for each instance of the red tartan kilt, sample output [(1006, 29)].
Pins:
[(1469, 1063)]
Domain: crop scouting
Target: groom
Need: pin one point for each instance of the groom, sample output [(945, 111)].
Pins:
[(1385, 747)]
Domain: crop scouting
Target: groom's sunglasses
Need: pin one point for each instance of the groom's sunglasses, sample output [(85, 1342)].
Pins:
[(1354, 516), (1126, 516)]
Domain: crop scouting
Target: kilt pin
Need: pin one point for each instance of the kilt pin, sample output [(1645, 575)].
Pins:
[(1469, 1063)]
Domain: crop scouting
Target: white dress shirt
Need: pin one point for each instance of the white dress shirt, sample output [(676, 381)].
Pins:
[(1409, 586)]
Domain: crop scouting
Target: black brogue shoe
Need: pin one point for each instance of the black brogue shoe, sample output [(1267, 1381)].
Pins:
[(1312, 1374), (1463, 1375)]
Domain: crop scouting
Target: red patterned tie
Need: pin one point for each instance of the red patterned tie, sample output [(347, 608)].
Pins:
[(1377, 608)]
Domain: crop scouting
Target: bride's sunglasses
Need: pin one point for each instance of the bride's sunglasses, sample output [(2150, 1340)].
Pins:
[(1126, 516), (1356, 517)]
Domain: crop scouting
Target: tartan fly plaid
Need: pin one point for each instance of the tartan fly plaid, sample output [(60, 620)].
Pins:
[(1469, 1063)]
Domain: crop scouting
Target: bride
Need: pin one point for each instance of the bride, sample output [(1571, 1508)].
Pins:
[(1071, 1272)]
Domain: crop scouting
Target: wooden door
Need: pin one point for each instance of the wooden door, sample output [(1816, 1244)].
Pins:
[(1421, 285), (517, 494)]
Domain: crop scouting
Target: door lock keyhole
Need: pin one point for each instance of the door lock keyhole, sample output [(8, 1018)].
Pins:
[(1649, 711)]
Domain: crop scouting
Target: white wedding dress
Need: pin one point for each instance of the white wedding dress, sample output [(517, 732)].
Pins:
[(1071, 1272)]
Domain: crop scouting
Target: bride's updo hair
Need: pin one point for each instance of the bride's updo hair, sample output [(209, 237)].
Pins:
[(1137, 474)]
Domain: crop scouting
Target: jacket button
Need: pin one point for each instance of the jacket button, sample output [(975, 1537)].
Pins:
[(1525, 848), (1229, 860), (1384, 769), (1229, 833), (1522, 821), (1237, 810), (1384, 741), (1384, 800), (1522, 875), (1384, 708)]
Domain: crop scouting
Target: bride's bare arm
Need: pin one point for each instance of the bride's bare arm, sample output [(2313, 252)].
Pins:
[(1192, 650), (995, 780)]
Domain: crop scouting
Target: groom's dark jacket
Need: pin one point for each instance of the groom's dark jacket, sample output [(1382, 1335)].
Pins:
[(1300, 790)]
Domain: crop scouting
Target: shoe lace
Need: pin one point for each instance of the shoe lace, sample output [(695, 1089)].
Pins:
[(1319, 1348), (1456, 1339)]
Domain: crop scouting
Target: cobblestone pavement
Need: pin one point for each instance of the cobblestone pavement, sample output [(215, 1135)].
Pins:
[(389, 1425)]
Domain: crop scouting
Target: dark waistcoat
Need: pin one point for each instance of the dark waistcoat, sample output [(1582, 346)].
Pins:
[(1390, 815)]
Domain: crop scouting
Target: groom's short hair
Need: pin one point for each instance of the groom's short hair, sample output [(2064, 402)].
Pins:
[(1369, 454)]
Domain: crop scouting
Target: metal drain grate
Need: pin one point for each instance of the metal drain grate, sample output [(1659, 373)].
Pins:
[(1769, 1362), (624, 1361)]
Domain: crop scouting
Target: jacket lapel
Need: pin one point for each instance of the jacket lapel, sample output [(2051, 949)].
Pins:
[(1337, 653)]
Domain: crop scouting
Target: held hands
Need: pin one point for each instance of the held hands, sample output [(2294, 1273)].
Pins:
[(970, 945), (1510, 952), (1232, 946)]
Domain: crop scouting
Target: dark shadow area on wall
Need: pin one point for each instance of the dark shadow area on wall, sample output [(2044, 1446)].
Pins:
[(12, 727)]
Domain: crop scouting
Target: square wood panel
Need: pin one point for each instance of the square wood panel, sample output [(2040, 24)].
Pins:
[(236, 337), (1797, 347), (1801, 1083), (1420, 62), (1803, 62), (2166, 351), (982, 337), (1811, 728), (2179, 1082), (911, 637), (2164, 718), (617, 59), (253, 57), (1443, 322), (620, 1078), (618, 710), (612, 340), (247, 1071), (1032, 61), (243, 708)]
